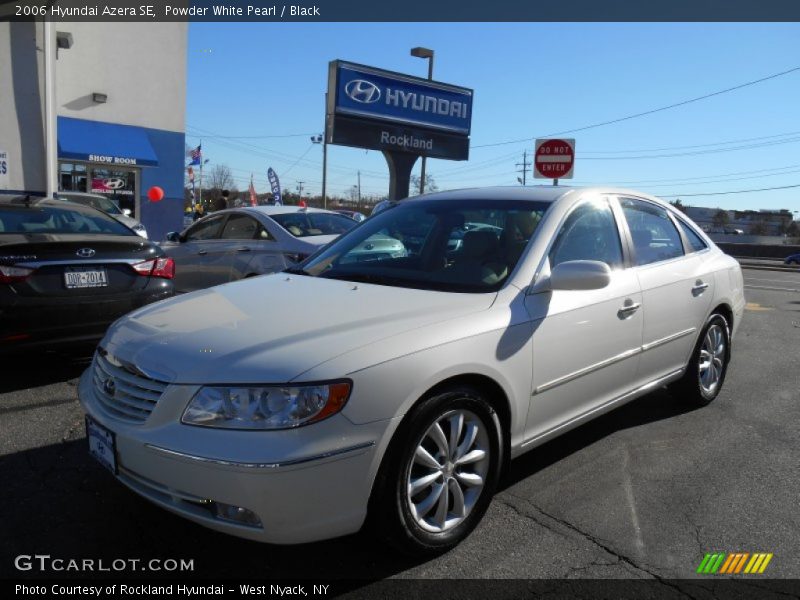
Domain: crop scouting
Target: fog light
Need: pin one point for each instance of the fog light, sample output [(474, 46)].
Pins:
[(236, 514)]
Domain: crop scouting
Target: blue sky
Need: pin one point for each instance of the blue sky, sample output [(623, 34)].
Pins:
[(255, 80)]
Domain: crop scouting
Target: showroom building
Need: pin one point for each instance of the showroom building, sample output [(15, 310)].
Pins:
[(120, 106)]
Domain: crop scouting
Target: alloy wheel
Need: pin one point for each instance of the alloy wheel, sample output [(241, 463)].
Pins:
[(712, 359), (447, 473)]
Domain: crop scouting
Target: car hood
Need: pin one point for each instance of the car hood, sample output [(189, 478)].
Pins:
[(273, 328)]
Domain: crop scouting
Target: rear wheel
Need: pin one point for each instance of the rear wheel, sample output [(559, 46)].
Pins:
[(708, 366), (439, 473)]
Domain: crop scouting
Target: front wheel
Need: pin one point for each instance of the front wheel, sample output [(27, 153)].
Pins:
[(440, 473), (706, 371)]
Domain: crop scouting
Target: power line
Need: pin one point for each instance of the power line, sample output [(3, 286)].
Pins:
[(647, 112), (259, 137), (783, 187), (765, 137)]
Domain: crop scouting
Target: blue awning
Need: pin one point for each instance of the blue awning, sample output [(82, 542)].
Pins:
[(107, 143)]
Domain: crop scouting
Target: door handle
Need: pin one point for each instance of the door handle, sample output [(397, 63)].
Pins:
[(202, 252), (699, 287), (243, 249), (628, 309)]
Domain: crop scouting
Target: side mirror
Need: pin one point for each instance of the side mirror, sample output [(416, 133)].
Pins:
[(174, 236), (126, 212), (580, 275)]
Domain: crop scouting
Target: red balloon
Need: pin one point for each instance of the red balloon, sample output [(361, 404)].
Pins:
[(155, 193), (302, 203)]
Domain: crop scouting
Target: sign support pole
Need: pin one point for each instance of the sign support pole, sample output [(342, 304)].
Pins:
[(555, 181), (400, 165)]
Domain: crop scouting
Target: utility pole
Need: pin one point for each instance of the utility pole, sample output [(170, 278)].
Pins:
[(200, 192), (524, 164), (359, 188), (300, 190)]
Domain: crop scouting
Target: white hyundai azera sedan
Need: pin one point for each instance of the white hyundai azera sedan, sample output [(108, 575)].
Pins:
[(394, 389)]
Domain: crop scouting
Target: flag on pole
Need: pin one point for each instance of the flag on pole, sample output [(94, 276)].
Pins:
[(253, 196), (197, 156), (276, 186)]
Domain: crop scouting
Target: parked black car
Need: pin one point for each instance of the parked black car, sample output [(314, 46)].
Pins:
[(68, 271)]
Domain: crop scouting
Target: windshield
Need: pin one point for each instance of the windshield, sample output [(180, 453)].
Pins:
[(56, 219), (447, 245), (98, 202), (306, 224)]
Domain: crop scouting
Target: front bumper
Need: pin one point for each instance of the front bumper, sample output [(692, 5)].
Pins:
[(303, 485)]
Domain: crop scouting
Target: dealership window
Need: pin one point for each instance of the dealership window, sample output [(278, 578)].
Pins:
[(72, 177), (117, 184), (120, 185)]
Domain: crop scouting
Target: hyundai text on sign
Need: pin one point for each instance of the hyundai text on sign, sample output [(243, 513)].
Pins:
[(363, 91), (554, 159)]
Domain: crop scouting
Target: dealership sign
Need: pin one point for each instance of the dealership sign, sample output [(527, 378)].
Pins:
[(3, 169), (383, 110)]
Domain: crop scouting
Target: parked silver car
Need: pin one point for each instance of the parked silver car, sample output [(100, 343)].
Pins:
[(242, 242), (108, 206), (298, 406)]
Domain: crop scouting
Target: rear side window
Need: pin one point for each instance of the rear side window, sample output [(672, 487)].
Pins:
[(205, 230), (45, 218), (240, 227), (696, 243), (655, 237)]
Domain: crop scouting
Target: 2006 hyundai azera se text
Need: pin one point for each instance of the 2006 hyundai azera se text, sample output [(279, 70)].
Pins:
[(393, 388)]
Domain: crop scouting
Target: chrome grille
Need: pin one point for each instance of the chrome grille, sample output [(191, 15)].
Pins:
[(124, 393)]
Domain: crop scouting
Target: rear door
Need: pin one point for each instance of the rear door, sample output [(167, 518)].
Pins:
[(251, 249), (676, 287), (193, 270)]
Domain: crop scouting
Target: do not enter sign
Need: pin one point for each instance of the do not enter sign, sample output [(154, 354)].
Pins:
[(554, 159)]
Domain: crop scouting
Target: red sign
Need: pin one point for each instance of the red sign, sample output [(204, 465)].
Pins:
[(554, 159)]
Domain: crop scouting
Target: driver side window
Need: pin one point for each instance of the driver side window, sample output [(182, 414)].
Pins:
[(589, 233)]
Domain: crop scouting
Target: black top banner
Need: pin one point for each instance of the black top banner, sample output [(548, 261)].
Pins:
[(405, 11)]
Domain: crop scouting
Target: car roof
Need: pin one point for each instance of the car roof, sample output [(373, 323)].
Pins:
[(80, 195), (538, 193), (17, 201), (281, 210)]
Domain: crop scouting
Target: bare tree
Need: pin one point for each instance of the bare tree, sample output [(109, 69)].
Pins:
[(430, 184), (679, 205), (720, 218), (219, 178)]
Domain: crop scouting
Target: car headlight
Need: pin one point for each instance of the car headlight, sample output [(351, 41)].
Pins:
[(265, 407)]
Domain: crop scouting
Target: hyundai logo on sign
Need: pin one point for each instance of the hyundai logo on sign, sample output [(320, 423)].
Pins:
[(85, 253), (362, 91), (380, 95)]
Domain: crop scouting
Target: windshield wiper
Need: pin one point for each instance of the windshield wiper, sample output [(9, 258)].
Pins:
[(296, 271)]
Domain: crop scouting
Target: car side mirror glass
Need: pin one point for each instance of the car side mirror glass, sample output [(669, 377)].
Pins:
[(126, 212), (580, 275), (174, 236)]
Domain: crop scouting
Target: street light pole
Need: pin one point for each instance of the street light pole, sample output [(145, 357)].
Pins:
[(420, 52)]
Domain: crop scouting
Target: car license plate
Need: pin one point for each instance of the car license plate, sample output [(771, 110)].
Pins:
[(102, 444), (86, 278)]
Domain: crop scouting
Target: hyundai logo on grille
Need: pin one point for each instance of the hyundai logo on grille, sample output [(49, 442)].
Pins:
[(361, 90), (109, 387), (85, 252)]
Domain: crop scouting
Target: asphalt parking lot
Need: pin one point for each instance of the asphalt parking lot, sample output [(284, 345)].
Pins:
[(644, 491)]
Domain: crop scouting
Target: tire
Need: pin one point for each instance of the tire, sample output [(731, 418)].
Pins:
[(705, 373), (448, 501)]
